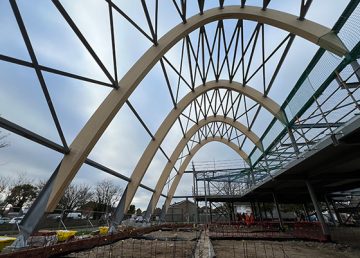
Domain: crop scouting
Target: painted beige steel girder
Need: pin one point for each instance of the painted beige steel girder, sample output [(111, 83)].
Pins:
[(184, 165), (181, 145), (99, 121)]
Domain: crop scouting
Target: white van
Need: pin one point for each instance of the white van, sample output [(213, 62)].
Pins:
[(74, 215)]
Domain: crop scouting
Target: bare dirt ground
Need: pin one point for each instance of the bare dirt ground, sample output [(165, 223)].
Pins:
[(159, 244), (162, 244), (296, 249), (181, 235)]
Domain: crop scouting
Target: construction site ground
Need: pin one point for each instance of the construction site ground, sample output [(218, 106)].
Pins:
[(161, 244), (182, 244), (296, 249), (171, 240)]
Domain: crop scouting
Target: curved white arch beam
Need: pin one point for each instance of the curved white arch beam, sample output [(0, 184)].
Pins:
[(124, 203), (181, 170), (99, 121), (180, 147), (168, 122)]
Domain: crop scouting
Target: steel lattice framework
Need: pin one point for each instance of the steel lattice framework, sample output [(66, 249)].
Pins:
[(217, 71)]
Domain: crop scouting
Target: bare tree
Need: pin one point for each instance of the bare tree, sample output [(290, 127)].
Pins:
[(106, 195), (2, 143), (22, 179), (2, 138), (75, 196), (4, 187), (4, 181), (4, 184)]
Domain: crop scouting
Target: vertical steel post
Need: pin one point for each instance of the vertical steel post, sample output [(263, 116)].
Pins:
[(293, 141), (206, 211), (197, 213), (196, 189), (259, 208), (195, 179), (329, 209), (338, 216), (208, 185), (253, 209), (306, 212), (252, 176), (324, 227), (264, 209), (233, 211), (229, 205), (278, 211)]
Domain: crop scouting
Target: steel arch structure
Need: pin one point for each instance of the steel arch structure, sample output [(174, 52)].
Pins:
[(180, 148), (216, 100), (178, 176), (94, 128), (168, 122)]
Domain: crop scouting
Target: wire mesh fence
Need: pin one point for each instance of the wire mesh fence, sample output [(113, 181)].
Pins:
[(82, 220), (268, 230), (157, 244)]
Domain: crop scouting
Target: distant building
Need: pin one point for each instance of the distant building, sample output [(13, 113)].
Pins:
[(184, 211)]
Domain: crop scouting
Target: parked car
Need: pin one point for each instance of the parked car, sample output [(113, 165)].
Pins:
[(54, 216), (4, 220), (139, 219), (16, 220), (74, 215)]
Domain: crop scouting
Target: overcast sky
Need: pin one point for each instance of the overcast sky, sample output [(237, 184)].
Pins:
[(55, 45)]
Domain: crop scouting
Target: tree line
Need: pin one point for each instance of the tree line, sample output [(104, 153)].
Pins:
[(19, 193)]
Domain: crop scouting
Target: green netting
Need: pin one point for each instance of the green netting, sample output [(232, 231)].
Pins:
[(304, 93), (325, 66), (272, 133), (255, 156), (350, 32), (315, 76)]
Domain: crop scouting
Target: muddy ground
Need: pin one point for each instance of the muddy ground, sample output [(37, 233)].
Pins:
[(162, 244), (159, 244), (296, 249)]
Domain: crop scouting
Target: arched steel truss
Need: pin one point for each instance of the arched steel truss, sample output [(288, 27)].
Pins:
[(76, 154), (178, 176), (94, 128), (181, 145), (168, 122)]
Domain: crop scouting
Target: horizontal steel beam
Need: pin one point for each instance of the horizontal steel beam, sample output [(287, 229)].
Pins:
[(350, 85), (316, 125), (14, 128), (214, 170)]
